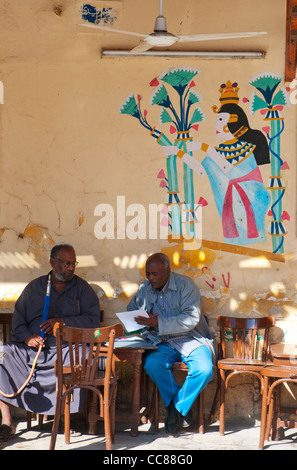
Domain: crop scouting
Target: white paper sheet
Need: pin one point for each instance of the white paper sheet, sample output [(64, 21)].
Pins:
[(128, 319)]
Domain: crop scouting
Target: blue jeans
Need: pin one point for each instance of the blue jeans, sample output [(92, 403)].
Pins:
[(158, 365)]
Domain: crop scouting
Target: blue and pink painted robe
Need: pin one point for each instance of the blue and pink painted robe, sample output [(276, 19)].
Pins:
[(240, 195)]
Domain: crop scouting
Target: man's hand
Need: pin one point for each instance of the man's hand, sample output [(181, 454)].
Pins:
[(151, 321), (48, 325), (34, 341)]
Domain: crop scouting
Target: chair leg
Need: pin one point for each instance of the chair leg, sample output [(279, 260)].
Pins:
[(92, 420), (67, 419), (273, 415), (107, 428), (56, 422), (269, 419), (112, 412), (214, 403), (222, 402), (29, 418), (154, 412), (144, 395), (40, 420), (263, 412), (200, 413), (276, 414), (38, 417)]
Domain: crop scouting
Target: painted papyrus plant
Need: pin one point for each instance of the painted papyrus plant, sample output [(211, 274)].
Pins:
[(180, 118), (270, 103)]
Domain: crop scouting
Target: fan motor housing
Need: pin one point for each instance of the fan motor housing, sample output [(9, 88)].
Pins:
[(160, 25)]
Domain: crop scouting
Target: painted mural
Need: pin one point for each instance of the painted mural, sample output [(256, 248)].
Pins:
[(96, 15), (233, 171), (233, 167)]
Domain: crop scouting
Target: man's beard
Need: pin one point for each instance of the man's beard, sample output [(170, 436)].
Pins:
[(63, 277)]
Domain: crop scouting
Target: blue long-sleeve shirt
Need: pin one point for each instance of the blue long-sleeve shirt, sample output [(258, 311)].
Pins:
[(180, 320)]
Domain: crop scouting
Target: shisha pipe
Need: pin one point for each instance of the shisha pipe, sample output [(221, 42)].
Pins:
[(42, 334), (46, 304)]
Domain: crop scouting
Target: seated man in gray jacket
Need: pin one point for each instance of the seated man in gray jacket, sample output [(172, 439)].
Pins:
[(179, 329)]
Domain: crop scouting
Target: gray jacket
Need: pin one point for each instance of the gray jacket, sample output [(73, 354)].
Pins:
[(181, 319)]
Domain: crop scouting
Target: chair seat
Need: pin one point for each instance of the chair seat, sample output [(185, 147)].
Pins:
[(98, 380), (179, 366), (281, 372), (234, 362)]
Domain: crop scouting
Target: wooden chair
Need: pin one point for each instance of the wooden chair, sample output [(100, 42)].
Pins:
[(243, 353), (154, 415), (5, 323), (273, 377), (84, 346)]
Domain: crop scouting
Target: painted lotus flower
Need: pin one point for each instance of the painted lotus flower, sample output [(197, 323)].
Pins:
[(179, 77), (160, 96), (198, 116), (129, 106), (194, 97), (266, 84), (164, 116)]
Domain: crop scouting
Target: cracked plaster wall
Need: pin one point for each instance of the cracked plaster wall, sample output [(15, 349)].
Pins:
[(64, 149)]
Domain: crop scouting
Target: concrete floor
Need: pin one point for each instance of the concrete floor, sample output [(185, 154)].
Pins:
[(238, 436)]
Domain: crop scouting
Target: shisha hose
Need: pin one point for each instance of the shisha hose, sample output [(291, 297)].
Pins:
[(42, 334), (12, 395), (46, 304)]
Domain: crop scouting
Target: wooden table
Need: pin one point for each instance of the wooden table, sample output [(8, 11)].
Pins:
[(284, 354), (132, 352)]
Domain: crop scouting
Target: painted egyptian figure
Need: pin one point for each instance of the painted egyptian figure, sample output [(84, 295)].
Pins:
[(233, 171)]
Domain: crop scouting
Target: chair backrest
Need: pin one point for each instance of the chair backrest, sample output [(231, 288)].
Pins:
[(243, 334), (5, 324), (84, 346)]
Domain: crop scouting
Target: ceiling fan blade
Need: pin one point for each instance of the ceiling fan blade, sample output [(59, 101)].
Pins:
[(112, 30), (214, 36), (143, 46)]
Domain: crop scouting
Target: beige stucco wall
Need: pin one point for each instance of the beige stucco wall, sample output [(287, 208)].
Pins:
[(65, 149)]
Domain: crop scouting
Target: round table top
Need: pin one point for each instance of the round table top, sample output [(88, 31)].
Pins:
[(284, 350)]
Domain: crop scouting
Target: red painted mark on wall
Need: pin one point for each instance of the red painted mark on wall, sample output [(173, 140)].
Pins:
[(210, 280), (226, 283)]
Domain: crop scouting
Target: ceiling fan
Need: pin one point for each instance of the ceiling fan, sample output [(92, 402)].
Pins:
[(161, 38)]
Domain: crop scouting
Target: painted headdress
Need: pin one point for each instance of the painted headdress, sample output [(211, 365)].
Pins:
[(229, 94), (229, 103)]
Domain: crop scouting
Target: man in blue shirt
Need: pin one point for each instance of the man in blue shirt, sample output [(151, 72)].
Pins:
[(74, 303), (178, 328)]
